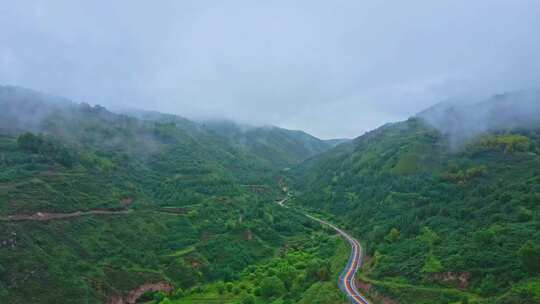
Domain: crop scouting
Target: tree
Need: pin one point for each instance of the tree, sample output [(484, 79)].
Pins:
[(65, 158), (3, 293), (272, 287), (392, 236), (529, 255), (444, 299), (166, 301), (432, 264), (524, 214), (488, 286), (318, 270), (180, 271), (248, 299), (286, 274), (29, 142), (229, 286), (220, 287), (429, 236), (484, 237), (50, 149), (178, 293), (321, 293), (159, 296)]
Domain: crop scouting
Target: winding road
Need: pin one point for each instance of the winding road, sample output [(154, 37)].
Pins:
[(346, 282)]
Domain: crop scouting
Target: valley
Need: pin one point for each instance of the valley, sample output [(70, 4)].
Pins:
[(270, 152), (154, 208), (346, 281), (446, 218), (99, 204)]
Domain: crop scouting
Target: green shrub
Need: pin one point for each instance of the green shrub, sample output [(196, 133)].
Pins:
[(248, 299), (488, 287), (229, 286), (220, 287), (529, 255), (272, 287)]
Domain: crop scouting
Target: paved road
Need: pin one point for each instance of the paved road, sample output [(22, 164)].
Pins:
[(346, 282)]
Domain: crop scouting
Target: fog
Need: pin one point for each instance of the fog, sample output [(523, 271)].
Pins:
[(463, 120), (331, 68)]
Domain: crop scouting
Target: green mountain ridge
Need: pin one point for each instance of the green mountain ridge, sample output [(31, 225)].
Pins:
[(463, 120), (337, 141), (281, 146), (151, 200), (430, 203), (447, 205)]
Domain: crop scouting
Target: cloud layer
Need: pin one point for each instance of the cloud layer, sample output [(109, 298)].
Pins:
[(335, 69)]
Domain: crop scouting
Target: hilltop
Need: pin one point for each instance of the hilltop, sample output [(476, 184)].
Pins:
[(447, 202)]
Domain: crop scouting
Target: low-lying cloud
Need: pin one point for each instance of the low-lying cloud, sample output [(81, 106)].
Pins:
[(464, 120), (335, 69)]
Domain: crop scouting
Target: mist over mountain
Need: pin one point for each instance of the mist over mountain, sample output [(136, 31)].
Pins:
[(434, 216), (98, 205), (284, 147), (462, 120), (399, 186), (330, 70), (337, 141), (283, 152), (26, 109)]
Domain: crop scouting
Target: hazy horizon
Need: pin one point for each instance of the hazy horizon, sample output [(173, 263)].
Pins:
[(332, 70)]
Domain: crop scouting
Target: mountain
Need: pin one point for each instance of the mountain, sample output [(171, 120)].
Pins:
[(99, 207), (336, 141), (281, 147), (114, 148), (447, 202), (461, 120)]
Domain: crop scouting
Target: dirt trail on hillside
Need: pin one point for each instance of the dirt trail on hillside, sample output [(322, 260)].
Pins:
[(45, 216)]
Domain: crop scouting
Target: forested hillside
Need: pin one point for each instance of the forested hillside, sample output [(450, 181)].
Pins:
[(95, 204), (448, 207), (281, 147)]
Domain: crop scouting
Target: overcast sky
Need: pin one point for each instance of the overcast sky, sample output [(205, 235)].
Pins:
[(332, 68)]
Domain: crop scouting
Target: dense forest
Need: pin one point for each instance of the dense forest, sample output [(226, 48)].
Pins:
[(447, 213), (96, 204), (145, 199), (281, 146)]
